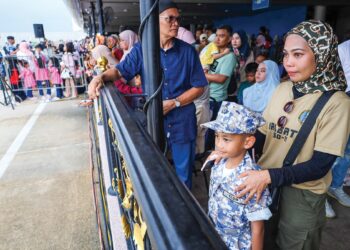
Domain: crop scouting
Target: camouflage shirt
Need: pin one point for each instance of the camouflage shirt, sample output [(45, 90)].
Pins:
[(230, 215)]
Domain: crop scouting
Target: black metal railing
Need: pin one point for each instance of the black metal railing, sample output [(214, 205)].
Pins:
[(157, 210)]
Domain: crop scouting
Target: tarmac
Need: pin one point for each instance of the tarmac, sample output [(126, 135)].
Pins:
[(46, 199)]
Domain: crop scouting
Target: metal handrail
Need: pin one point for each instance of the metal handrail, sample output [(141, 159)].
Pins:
[(173, 217)]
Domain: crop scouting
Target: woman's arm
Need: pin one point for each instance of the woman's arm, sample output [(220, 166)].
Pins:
[(257, 234), (314, 169)]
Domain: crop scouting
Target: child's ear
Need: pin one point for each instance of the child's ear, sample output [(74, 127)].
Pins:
[(249, 141)]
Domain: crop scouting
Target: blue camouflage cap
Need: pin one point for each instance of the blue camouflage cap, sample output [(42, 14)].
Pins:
[(235, 119)]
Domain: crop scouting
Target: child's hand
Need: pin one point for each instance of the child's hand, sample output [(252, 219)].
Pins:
[(138, 82), (215, 155)]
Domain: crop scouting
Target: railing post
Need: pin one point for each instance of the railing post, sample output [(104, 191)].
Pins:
[(93, 18), (101, 23), (152, 78)]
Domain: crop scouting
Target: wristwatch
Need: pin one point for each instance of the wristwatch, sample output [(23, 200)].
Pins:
[(177, 102)]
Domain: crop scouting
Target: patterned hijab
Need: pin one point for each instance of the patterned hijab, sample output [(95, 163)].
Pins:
[(329, 74)]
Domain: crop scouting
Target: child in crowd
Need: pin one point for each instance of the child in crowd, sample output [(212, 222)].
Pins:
[(55, 78), (260, 57), (78, 77), (66, 76), (209, 54), (42, 74), (267, 78), (240, 224), (28, 79), (68, 61), (250, 71)]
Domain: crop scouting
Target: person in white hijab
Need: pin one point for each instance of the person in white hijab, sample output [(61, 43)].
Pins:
[(127, 40), (267, 78)]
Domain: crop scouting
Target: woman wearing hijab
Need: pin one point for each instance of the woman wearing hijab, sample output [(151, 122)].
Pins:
[(127, 40), (24, 53), (267, 78), (102, 50), (313, 65), (185, 35), (242, 51)]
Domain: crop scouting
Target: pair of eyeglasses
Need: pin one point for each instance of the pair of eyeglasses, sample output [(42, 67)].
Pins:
[(171, 19), (288, 108)]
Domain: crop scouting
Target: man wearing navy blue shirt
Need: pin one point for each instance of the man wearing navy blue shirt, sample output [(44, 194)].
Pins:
[(184, 81)]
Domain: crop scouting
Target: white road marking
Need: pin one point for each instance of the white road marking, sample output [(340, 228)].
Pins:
[(17, 143)]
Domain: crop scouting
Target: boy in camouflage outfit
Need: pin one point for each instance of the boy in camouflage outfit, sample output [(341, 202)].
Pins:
[(240, 224)]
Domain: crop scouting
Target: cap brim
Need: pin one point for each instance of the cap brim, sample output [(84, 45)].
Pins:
[(214, 125)]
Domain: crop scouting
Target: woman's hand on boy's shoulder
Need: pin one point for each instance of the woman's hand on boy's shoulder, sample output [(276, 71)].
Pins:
[(254, 184)]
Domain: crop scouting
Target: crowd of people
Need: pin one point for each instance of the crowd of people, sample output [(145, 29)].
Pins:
[(42, 66), (244, 100), (231, 95), (60, 71)]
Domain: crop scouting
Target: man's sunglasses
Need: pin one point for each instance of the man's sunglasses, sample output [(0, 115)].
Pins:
[(171, 19)]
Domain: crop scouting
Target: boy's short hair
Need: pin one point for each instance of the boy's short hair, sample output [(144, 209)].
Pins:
[(251, 67)]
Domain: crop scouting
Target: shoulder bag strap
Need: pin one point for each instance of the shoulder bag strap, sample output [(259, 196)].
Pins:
[(306, 129)]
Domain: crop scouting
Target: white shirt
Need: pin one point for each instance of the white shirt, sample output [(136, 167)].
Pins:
[(344, 54)]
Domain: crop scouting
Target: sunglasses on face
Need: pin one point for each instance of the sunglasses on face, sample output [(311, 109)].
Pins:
[(288, 108), (171, 19)]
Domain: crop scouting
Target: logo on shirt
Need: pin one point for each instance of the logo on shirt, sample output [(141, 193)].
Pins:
[(214, 65), (282, 133), (302, 117)]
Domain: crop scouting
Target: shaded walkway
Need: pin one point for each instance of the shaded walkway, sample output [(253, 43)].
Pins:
[(45, 194)]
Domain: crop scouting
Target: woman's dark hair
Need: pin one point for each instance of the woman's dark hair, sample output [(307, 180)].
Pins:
[(70, 47), (55, 62), (251, 67), (61, 47), (38, 46), (263, 29)]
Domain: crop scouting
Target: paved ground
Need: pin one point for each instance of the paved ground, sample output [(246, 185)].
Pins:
[(45, 194), (336, 234)]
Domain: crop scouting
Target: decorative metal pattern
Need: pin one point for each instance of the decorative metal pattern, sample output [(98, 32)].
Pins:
[(133, 225)]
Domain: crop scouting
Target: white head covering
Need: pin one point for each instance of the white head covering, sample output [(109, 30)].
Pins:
[(258, 96), (131, 38)]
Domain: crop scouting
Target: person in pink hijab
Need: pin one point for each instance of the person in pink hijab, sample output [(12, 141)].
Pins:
[(127, 40), (24, 53), (186, 36)]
